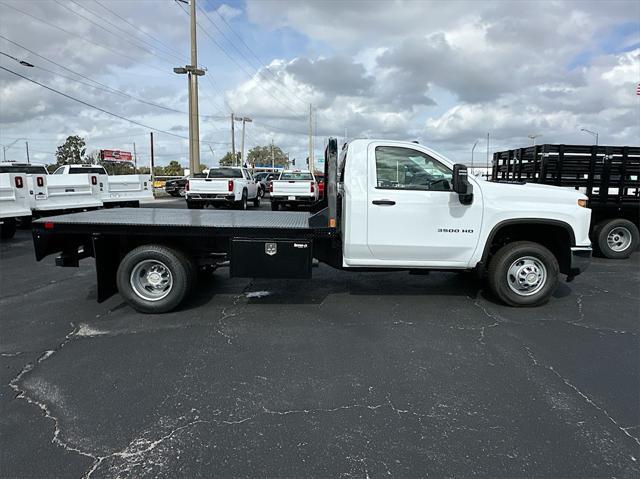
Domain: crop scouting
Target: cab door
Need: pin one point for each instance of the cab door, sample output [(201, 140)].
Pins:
[(414, 217), (252, 188)]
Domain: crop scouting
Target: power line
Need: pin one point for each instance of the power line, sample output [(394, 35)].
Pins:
[(282, 88), (102, 109), (143, 47), (135, 60), (104, 86), (260, 62), (213, 40), (167, 47)]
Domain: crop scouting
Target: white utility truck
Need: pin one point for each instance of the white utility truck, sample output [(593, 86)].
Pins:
[(114, 190), (389, 205), (293, 188), (225, 186), (49, 194), (14, 202)]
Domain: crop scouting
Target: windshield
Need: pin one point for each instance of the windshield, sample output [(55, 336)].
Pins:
[(296, 175), (225, 173), (29, 169), (79, 171)]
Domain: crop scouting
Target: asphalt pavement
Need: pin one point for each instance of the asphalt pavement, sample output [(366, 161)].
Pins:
[(345, 375)]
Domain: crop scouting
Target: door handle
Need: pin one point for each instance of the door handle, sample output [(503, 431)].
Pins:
[(384, 202)]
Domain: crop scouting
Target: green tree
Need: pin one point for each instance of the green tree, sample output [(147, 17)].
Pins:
[(261, 156), (71, 151), (227, 159), (173, 169)]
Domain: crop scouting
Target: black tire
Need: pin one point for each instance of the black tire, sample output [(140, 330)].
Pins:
[(274, 206), (256, 202), (499, 278), (242, 204), (174, 194), (182, 273), (192, 205), (7, 228), (617, 238), (260, 191)]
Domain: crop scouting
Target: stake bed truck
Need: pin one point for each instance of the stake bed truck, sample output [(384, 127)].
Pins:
[(389, 206), (608, 175)]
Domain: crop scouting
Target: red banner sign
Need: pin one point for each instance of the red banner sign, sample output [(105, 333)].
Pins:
[(115, 155)]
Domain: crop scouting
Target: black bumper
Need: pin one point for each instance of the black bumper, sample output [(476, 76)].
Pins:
[(580, 260)]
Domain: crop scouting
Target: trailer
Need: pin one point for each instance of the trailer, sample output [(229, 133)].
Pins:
[(389, 205), (608, 175)]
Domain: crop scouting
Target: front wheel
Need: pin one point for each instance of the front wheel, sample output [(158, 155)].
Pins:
[(523, 273), (256, 201), (155, 278)]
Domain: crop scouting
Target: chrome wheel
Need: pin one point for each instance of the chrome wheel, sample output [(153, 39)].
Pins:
[(151, 280), (619, 239), (526, 276)]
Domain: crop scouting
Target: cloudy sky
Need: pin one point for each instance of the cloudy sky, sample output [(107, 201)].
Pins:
[(443, 73)]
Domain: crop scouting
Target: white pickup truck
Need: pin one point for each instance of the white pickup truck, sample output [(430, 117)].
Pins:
[(14, 202), (114, 190), (293, 188), (225, 186)]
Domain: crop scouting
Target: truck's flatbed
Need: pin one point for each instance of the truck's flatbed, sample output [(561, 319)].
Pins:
[(183, 222)]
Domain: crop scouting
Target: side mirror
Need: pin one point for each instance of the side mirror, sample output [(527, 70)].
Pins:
[(461, 184)]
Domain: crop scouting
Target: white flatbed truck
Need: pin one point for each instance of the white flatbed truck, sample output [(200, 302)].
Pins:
[(389, 206)]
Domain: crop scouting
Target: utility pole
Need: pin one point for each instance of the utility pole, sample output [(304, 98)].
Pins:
[(310, 137), (233, 140), (193, 72), (152, 166), (244, 120), (273, 161), (135, 158), (26, 143)]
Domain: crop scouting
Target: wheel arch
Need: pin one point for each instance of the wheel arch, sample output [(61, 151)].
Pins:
[(555, 235)]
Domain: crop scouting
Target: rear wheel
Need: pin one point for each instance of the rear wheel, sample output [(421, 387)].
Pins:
[(274, 206), (155, 278), (242, 204), (192, 205), (523, 273), (8, 228), (617, 238)]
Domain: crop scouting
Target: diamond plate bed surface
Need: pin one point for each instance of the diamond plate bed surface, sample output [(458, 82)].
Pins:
[(186, 218)]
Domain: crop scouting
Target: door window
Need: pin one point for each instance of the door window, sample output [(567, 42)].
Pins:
[(406, 169)]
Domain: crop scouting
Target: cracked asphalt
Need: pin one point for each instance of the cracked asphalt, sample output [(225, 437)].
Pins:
[(345, 375)]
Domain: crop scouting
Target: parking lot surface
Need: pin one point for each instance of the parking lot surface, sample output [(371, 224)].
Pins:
[(345, 375)]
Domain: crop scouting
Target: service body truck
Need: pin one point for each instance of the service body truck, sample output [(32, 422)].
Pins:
[(293, 188), (225, 186), (14, 202), (49, 194), (384, 210), (113, 190)]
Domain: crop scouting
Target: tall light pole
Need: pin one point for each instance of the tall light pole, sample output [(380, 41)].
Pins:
[(592, 133), (6, 147), (533, 139), (472, 149), (244, 120), (193, 72)]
